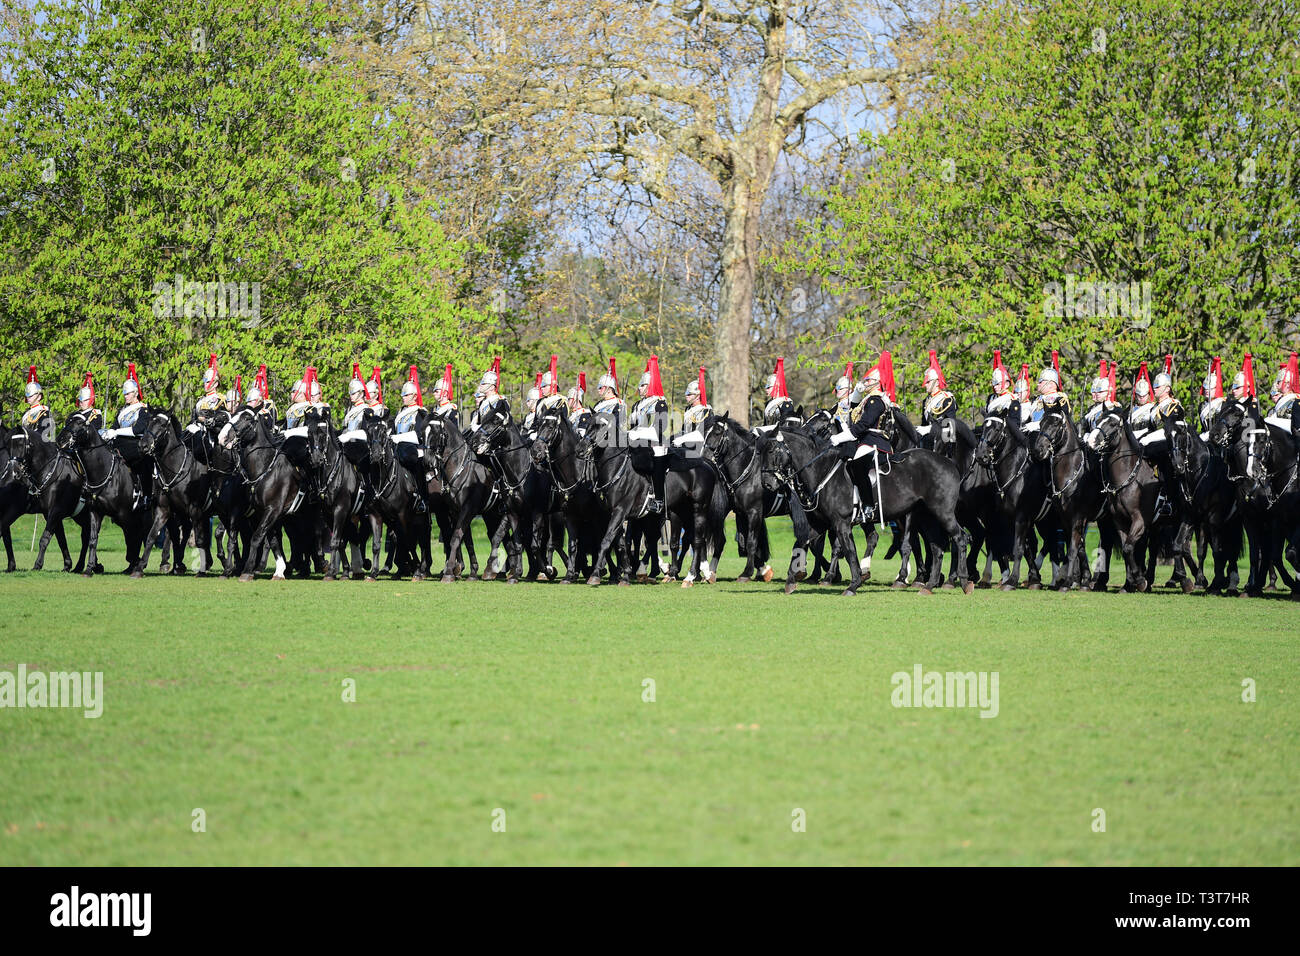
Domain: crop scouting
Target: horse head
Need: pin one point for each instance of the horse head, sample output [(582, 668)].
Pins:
[(1052, 437), (240, 429), (992, 441), (1105, 438), (76, 433), (156, 431), (493, 428), (602, 432), (548, 428), (319, 435), (1227, 424)]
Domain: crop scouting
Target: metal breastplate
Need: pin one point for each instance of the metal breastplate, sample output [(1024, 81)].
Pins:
[(127, 416), (405, 420)]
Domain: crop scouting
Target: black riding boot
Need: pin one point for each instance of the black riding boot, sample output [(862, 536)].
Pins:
[(657, 477)]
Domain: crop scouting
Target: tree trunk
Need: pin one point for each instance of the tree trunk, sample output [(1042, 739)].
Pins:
[(736, 300)]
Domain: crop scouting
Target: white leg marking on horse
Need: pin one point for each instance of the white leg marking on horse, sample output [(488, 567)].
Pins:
[(279, 567)]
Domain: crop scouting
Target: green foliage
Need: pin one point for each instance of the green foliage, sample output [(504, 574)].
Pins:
[(219, 143), (1077, 142)]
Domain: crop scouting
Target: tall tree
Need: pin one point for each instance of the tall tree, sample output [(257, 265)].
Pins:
[(654, 99), (1114, 178), (221, 144)]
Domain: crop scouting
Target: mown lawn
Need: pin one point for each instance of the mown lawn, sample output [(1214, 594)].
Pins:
[(528, 698)]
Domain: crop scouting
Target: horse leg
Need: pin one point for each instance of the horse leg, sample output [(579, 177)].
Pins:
[(93, 558), (615, 526), (376, 541), (849, 548), (160, 518)]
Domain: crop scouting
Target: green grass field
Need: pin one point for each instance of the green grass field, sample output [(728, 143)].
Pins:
[(478, 697)]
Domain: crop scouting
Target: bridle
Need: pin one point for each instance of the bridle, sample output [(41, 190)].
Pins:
[(1056, 453), (720, 464), (553, 420), (187, 457), (238, 443)]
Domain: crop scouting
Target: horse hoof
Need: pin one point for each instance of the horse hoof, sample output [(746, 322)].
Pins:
[(899, 585), (328, 577), (87, 574), (551, 572), (165, 567), (712, 579), (789, 587), (847, 592), (370, 578), (448, 578), (926, 591), (624, 583), (743, 579), (594, 581), (947, 586), (489, 576), (277, 577), (245, 578), (767, 575), (800, 575), (136, 575), (688, 584), (1189, 587), (512, 580), (1033, 586), (1008, 587), (968, 588), (1140, 587)]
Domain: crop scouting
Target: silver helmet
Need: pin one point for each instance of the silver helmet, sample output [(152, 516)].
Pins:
[(533, 396), (356, 387), (1001, 377), (645, 378), (372, 390), (209, 375), (547, 381), (130, 388), (314, 392), (33, 389), (84, 394), (408, 389), (489, 380), (608, 381), (1162, 381), (1142, 388), (1049, 375), (253, 396), (842, 384), (299, 388), (693, 388), (1101, 386)]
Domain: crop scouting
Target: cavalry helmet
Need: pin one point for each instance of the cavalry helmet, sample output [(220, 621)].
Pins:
[(645, 378), (130, 388), (488, 380), (547, 381), (769, 383), (409, 389), (608, 381), (372, 390), (931, 375), (232, 396), (356, 387), (253, 395), (533, 396), (314, 392), (1239, 380), (84, 394), (1049, 375), (299, 388), (1162, 380), (842, 384), (1001, 376), (209, 375), (1141, 388), (1101, 385), (576, 395), (693, 388), (33, 389)]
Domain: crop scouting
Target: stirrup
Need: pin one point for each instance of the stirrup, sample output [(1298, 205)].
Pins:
[(653, 505)]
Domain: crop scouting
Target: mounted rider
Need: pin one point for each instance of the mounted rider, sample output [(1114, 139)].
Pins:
[(259, 400), (299, 405), (1103, 397), (375, 394), (233, 397), (939, 421), (531, 399), (1003, 403), (212, 400), (646, 426), (86, 403), (443, 405), (1212, 392), (351, 436), (1167, 411), (487, 396), (1050, 397), (1022, 392), (780, 407), (607, 390), (1286, 397), (578, 412), (697, 410), (550, 390), (125, 440), (1243, 386), (407, 419), (1144, 403), (843, 397), (872, 420), (37, 417)]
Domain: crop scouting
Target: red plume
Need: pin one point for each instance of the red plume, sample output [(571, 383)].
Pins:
[(778, 389), (379, 384), (496, 370), (239, 383), (1110, 396), (130, 374), (212, 364), (848, 372), (582, 383), (537, 383), (1056, 365), (1024, 375), (1216, 369), (613, 374), (1169, 365), (90, 384), (309, 379), (261, 382), (413, 376), (1248, 366), (1141, 376), (1293, 372), (887, 376), (656, 388), (1101, 372), (934, 364), (555, 381), (356, 371), (997, 360), (446, 380), (31, 374), (703, 400)]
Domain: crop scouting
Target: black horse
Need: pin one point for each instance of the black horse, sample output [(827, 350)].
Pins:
[(1073, 491), (1262, 464), (109, 488), (182, 486), (15, 499), (52, 486), (1129, 489), (271, 483), (1206, 505), (1014, 495), (585, 514), (341, 493), (625, 491), (467, 488), (525, 491), (734, 452), (397, 501)]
